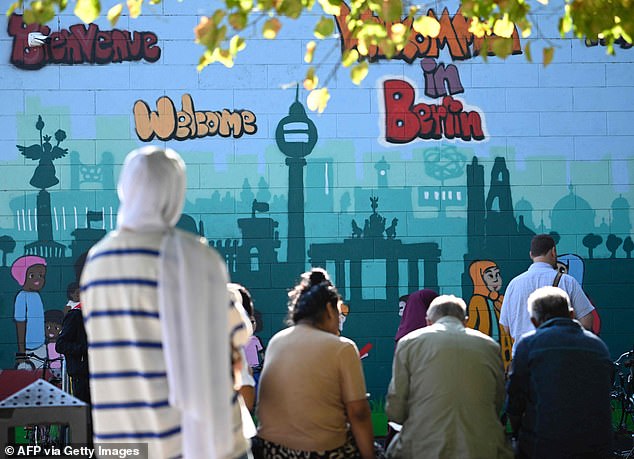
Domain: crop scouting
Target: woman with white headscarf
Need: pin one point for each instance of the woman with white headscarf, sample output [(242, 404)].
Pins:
[(155, 304)]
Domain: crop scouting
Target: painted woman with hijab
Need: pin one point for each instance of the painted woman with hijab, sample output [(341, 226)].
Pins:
[(485, 304), (415, 313), (28, 311)]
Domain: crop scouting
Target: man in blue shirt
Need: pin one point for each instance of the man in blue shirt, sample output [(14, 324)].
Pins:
[(558, 394)]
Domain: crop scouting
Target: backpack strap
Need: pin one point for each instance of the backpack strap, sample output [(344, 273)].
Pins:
[(557, 279)]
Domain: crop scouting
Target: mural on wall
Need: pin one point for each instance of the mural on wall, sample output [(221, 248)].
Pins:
[(166, 123), (485, 305), (80, 44), (372, 266), (405, 119), (573, 265), (452, 208)]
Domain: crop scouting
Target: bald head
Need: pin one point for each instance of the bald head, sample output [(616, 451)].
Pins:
[(446, 305), (548, 303)]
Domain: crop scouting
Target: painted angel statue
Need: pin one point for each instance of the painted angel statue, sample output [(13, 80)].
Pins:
[(44, 176)]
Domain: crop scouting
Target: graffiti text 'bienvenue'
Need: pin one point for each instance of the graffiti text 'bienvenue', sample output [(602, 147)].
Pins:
[(80, 44), (454, 33), (167, 123)]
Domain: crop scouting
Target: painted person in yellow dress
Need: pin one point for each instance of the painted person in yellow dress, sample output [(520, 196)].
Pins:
[(485, 304)]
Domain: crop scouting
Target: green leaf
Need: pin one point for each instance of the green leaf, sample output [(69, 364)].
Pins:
[(502, 47), (392, 10), (349, 57), (88, 10), (271, 28), (565, 23), (238, 20), (310, 80), (427, 26), (114, 13), (527, 51), (548, 54), (324, 28), (359, 72)]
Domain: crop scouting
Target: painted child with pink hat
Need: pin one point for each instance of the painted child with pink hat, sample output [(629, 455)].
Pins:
[(30, 272)]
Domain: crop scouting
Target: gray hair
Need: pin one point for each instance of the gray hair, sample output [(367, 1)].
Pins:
[(447, 305), (546, 303)]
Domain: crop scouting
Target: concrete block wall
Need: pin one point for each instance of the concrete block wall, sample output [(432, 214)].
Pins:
[(563, 131)]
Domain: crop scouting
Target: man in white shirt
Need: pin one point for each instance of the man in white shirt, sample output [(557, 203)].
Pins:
[(543, 272)]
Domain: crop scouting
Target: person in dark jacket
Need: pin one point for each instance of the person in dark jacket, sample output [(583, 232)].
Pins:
[(72, 342)]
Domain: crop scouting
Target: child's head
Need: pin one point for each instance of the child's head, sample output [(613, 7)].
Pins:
[(30, 272), (72, 291), (53, 324)]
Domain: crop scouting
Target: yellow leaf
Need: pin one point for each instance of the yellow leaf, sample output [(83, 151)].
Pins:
[(14, 6), (271, 28), (503, 27), (543, 2), (134, 6), (87, 10), (236, 44), (114, 13), (223, 56), (318, 99), (548, 55), (427, 26), (310, 51), (246, 5), (359, 72), (478, 28), (311, 80), (398, 31), (204, 60), (349, 57), (331, 7)]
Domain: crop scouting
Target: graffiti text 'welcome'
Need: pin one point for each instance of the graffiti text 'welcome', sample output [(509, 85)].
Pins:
[(454, 33), (405, 121), (167, 123)]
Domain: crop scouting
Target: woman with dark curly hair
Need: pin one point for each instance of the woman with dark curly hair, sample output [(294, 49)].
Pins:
[(312, 396)]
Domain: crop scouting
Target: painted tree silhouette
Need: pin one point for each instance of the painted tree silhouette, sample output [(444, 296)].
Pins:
[(7, 245), (628, 246), (613, 243), (591, 241)]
